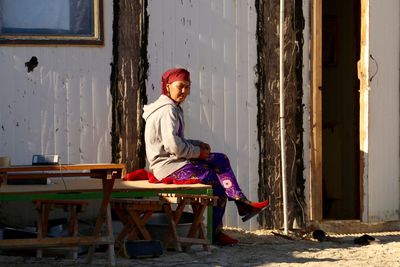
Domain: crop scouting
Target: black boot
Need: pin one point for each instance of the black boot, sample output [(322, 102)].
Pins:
[(249, 209)]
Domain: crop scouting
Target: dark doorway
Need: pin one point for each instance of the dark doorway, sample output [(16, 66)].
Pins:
[(340, 109)]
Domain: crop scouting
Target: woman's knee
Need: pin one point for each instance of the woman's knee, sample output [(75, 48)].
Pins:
[(221, 157)]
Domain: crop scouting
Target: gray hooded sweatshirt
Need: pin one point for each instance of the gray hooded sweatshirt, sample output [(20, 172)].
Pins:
[(166, 148)]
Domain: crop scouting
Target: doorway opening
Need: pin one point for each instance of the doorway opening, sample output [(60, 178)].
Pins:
[(341, 25)]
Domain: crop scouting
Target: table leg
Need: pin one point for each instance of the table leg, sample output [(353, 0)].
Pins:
[(210, 218), (105, 217), (73, 229), (111, 252), (39, 222), (43, 212), (129, 227), (172, 234)]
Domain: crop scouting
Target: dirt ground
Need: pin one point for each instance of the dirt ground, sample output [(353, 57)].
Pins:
[(257, 248)]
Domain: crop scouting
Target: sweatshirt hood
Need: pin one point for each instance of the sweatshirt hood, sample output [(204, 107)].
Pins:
[(160, 102)]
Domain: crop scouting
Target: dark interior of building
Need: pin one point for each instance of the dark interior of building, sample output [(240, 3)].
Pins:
[(340, 109)]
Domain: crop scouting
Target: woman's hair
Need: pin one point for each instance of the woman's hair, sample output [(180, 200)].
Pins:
[(172, 75)]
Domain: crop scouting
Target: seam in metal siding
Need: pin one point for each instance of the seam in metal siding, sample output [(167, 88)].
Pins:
[(63, 106), (216, 41)]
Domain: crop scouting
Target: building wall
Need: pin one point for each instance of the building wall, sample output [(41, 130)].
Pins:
[(382, 187), (63, 106), (216, 41)]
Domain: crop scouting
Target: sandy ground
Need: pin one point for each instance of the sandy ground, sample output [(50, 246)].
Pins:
[(258, 248)]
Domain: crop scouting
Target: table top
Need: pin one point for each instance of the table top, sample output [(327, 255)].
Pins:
[(58, 185), (63, 167)]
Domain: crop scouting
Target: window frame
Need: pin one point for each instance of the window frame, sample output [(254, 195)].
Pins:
[(95, 38)]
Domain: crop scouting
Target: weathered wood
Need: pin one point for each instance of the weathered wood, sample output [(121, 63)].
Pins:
[(62, 167), (270, 185), (72, 241), (196, 234), (354, 226), (43, 208), (129, 72), (87, 185), (364, 93), (189, 240), (107, 172), (316, 118), (23, 176), (134, 214)]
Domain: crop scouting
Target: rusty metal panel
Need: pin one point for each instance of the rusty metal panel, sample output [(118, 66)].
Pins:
[(62, 105), (216, 41)]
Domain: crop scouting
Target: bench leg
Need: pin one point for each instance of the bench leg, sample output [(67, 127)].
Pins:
[(42, 217), (129, 227), (197, 225), (197, 233), (73, 229), (105, 217), (111, 252), (172, 236)]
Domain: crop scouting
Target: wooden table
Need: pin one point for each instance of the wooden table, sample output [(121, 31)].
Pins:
[(85, 188), (107, 173)]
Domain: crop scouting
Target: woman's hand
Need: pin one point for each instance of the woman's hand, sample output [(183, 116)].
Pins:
[(205, 150)]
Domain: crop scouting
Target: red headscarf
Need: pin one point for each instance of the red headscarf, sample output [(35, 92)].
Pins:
[(172, 75)]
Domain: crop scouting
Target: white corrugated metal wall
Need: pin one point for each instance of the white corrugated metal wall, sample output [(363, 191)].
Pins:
[(216, 41), (382, 182), (63, 106)]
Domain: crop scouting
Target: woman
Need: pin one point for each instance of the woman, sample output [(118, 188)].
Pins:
[(173, 156)]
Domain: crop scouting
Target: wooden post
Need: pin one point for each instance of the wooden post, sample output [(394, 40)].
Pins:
[(270, 185), (316, 118), (129, 72)]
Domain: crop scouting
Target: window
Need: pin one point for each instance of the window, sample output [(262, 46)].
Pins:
[(51, 22)]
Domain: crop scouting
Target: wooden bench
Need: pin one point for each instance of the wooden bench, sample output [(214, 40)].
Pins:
[(105, 174), (135, 213), (196, 234), (85, 188), (43, 209)]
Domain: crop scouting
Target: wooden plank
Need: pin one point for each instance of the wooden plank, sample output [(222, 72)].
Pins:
[(354, 226), (316, 114), (22, 176), (362, 68), (62, 167), (53, 242), (84, 185), (190, 240)]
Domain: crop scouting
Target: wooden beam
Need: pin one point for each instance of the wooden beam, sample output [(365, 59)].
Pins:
[(362, 68), (354, 226), (316, 113), (72, 241)]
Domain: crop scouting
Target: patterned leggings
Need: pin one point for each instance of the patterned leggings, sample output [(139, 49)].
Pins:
[(217, 172)]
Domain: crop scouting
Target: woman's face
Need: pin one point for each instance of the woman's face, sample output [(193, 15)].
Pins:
[(178, 90)]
